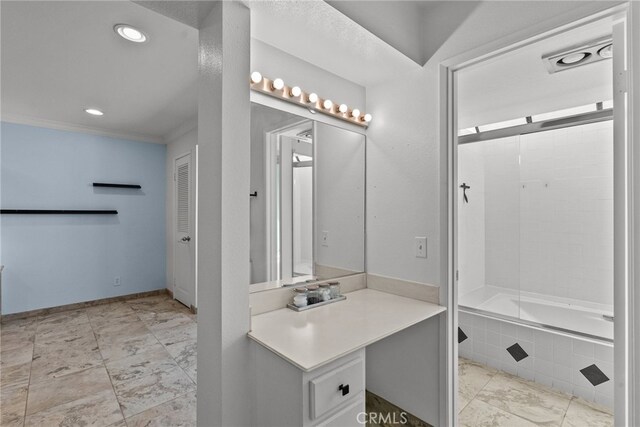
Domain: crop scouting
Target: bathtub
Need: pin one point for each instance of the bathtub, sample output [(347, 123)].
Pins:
[(568, 344)]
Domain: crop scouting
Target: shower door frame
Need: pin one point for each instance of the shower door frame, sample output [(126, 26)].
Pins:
[(626, 29)]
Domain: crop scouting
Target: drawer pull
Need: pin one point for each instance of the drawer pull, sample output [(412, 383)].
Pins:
[(344, 389)]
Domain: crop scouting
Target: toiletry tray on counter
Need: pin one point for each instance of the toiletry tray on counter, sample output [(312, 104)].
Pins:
[(318, 304)]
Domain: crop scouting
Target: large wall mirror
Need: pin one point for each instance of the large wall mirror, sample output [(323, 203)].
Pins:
[(307, 199)]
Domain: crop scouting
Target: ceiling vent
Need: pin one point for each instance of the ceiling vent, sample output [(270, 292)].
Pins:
[(585, 53)]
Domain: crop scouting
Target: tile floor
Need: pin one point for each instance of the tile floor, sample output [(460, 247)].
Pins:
[(127, 363), (488, 397)]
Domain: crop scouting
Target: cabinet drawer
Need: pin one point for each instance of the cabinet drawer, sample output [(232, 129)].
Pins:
[(330, 390), (348, 417)]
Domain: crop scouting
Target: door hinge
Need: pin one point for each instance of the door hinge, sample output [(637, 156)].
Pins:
[(457, 275)]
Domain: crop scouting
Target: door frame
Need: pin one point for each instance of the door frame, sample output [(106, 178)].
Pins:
[(626, 19), (193, 206)]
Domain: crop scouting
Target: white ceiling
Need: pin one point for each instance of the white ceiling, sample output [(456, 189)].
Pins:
[(517, 84), (317, 33), (60, 57)]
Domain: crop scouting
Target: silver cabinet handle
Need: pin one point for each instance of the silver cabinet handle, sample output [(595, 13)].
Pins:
[(186, 239)]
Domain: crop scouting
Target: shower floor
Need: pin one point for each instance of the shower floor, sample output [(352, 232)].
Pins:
[(564, 313)]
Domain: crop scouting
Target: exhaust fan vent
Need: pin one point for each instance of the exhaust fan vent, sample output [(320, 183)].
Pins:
[(586, 53)]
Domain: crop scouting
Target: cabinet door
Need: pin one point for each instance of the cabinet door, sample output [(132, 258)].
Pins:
[(348, 417)]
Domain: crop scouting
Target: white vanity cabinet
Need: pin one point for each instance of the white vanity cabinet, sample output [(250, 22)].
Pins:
[(287, 396), (309, 367)]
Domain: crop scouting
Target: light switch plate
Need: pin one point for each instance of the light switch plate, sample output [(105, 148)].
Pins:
[(421, 247)]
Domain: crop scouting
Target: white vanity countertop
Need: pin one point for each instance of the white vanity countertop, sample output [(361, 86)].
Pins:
[(315, 337)]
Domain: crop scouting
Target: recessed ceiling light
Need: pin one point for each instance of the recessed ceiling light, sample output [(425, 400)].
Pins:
[(606, 52), (94, 112), (574, 58), (132, 34)]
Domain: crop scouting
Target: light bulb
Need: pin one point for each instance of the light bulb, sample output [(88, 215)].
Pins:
[(343, 108), (278, 84), (256, 77), (94, 112), (313, 98), (355, 113), (367, 118), (327, 104), (296, 91)]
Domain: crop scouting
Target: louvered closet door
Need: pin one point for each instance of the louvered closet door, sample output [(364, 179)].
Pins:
[(184, 232)]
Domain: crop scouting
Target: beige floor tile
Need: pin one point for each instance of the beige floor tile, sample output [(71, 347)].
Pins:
[(188, 331), (144, 393), (122, 332), (58, 391), (472, 377), (17, 354), (587, 414), (15, 374), (527, 400), (185, 353), (15, 340), (101, 323), (155, 359), (64, 362), (126, 346), (178, 412), (481, 414), (53, 335), (99, 409), (26, 325), (84, 340), (13, 402), (62, 319), (165, 320)]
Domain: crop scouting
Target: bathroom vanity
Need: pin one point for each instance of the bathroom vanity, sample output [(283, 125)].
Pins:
[(310, 366)]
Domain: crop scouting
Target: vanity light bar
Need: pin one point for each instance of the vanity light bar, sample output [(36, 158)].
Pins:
[(293, 94)]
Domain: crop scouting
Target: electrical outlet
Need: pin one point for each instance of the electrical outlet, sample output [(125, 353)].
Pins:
[(325, 238), (116, 281), (421, 247)]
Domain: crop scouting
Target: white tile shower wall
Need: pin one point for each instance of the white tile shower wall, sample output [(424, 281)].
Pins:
[(554, 360), (566, 212), (548, 210), (502, 212)]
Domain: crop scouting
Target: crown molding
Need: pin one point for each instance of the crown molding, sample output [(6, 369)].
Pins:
[(52, 124)]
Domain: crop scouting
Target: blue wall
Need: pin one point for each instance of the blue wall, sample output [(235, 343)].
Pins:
[(52, 260)]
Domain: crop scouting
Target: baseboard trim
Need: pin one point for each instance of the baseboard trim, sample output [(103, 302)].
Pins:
[(78, 305)]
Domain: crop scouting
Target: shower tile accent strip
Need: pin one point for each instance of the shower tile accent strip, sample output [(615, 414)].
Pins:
[(594, 375), (517, 352), (554, 359), (461, 336)]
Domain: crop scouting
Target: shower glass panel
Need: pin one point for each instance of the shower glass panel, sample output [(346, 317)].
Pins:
[(566, 228), (535, 230), (488, 221)]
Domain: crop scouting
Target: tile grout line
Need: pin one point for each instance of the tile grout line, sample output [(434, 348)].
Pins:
[(33, 351), (107, 370)]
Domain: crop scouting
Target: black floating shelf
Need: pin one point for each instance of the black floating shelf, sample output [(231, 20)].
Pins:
[(106, 184), (58, 212)]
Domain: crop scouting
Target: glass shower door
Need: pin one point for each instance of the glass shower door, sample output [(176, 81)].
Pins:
[(488, 226)]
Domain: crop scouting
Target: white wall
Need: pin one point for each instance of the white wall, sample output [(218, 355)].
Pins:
[(273, 63), (405, 181), (178, 146), (404, 156)]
